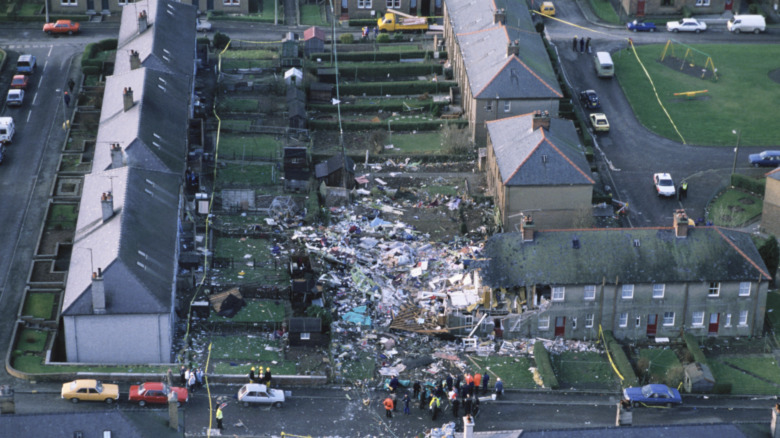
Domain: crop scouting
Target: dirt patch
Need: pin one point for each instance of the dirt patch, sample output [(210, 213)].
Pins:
[(687, 67), (746, 201), (50, 238)]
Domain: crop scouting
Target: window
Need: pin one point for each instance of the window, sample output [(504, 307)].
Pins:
[(628, 292), (544, 322), (364, 4), (589, 320), (507, 107), (489, 105), (305, 336), (702, 2), (668, 318), (232, 2), (574, 323), (658, 291), (638, 322), (714, 290), (744, 289), (698, 319), (667, 2), (69, 2), (469, 322), (590, 292), (124, 2), (743, 315), (728, 320), (623, 320), (393, 3), (558, 293)]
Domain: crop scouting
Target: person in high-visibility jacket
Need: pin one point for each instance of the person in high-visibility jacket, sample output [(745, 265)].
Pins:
[(389, 407), (435, 406), (219, 418)]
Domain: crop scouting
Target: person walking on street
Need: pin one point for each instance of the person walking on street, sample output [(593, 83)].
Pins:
[(191, 382), (219, 417), (684, 189), (267, 377), (587, 45), (199, 377), (416, 388), (406, 401), (485, 382), (389, 405), (499, 388), (582, 45), (66, 97), (435, 406), (71, 84), (477, 380)]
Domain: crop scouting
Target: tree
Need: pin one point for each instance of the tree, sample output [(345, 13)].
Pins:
[(770, 254), (220, 40)]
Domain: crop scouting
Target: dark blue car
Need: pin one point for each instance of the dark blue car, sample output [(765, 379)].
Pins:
[(765, 159), (641, 26), (654, 394), (589, 99)]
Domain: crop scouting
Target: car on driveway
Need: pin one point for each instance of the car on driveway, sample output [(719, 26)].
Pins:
[(15, 97), (765, 159), (654, 394), (686, 25), (62, 26), (202, 26), (20, 82), (156, 393), (664, 185), (89, 390), (589, 99), (641, 26), (252, 393), (599, 122)]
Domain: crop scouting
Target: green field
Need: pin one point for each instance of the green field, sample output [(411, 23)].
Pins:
[(246, 175), (238, 146), (743, 97), (255, 311), (259, 250), (583, 370), (659, 362), (311, 15), (765, 378), (420, 143)]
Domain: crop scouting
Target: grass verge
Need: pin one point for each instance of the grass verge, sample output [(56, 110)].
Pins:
[(245, 175), (419, 144)]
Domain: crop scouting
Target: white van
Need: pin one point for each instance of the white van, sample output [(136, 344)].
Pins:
[(747, 23), (6, 129), (604, 66)]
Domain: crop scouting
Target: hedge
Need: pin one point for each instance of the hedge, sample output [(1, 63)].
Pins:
[(360, 22), (92, 49), (428, 105), (348, 72), (750, 184), (693, 347), (403, 88), (397, 125), (620, 359), (377, 56), (544, 365)]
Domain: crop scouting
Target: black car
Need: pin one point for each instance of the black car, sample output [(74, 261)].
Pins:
[(589, 99)]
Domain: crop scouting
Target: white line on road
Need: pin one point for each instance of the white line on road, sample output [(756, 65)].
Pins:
[(35, 97), (29, 113)]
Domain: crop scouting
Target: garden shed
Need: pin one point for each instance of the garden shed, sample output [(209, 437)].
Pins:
[(290, 56), (326, 74), (332, 171), (293, 76), (321, 92), (306, 332), (296, 168), (698, 378), (313, 41)]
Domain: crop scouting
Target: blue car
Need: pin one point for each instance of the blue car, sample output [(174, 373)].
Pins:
[(641, 26), (765, 159), (652, 395), (589, 99)]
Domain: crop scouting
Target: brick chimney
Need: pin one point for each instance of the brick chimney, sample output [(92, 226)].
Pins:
[(680, 223), (541, 120), (127, 98), (98, 293), (499, 16), (513, 48), (117, 158), (135, 60), (107, 205), (527, 228), (143, 21)]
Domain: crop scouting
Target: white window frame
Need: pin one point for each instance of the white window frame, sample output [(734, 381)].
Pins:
[(627, 292), (364, 4), (489, 105), (573, 323), (638, 322), (623, 322), (743, 318), (231, 2), (589, 293), (728, 320), (658, 290), (544, 322), (589, 320), (69, 2), (668, 320), (558, 293), (507, 106), (702, 2), (697, 319), (744, 288), (469, 321), (305, 336), (713, 287), (123, 2), (393, 4)]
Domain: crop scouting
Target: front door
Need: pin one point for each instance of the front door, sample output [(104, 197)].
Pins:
[(90, 5), (640, 8), (714, 320), (104, 5), (560, 326), (344, 8), (209, 5), (728, 5), (652, 324)]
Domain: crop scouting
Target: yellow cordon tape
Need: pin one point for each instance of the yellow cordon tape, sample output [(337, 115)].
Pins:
[(601, 335)]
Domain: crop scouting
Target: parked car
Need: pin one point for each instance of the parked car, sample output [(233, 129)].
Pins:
[(765, 159), (599, 122), (654, 394), (62, 26), (664, 185), (686, 25), (257, 393), (641, 26), (547, 8), (202, 26), (20, 82), (89, 390), (15, 97), (25, 65), (589, 99), (747, 23), (156, 393)]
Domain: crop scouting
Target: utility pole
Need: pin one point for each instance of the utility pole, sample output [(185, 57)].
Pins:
[(736, 150), (338, 96)]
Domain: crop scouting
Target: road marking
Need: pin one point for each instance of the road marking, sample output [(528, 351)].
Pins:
[(40, 81), (29, 113), (50, 49), (35, 96)]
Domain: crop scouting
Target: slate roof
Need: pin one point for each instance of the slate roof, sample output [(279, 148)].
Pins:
[(706, 254), (135, 248), (334, 163), (90, 424), (687, 430), (167, 45), (470, 15), (538, 157)]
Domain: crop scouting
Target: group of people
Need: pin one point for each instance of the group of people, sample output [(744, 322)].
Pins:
[(460, 391), (191, 378), (257, 378), (584, 44), (365, 32)]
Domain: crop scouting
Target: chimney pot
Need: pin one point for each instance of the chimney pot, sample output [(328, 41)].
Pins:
[(499, 16), (98, 293), (680, 223), (135, 60), (107, 205), (513, 49), (143, 22), (127, 98), (117, 158)]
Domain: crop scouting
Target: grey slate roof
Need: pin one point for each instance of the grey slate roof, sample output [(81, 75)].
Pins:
[(687, 430), (707, 254), (474, 15), (538, 157), (91, 424), (334, 163)]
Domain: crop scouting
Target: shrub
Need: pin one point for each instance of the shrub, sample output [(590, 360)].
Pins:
[(312, 207), (544, 365), (770, 254), (456, 140), (674, 376), (203, 41), (346, 38), (383, 38), (398, 36), (693, 347), (750, 184), (220, 40), (620, 359), (107, 44), (91, 70), (686, 11)]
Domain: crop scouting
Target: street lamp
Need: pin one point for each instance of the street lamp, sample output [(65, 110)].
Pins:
[(736, 149)]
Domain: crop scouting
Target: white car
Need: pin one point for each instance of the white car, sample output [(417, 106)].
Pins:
[(257, 393), (202, 26), (686, 25), (15, 97), (664, 185)]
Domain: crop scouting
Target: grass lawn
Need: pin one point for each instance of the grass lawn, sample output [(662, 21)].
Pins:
[(311, 15), (764, 366), (605, 11), (583, 369), (420, 143), (235, 124), (250, 54), (237, 146), (710, 119), (734, 208), (34, 364), (246, 175), (441, 190), (741, 383), (32, 340), (260, 252), (512, 370), (62, 217), (233, 105), (39, 305), (230, 64), (660, 361), (237, 354), (255, 311), (360, 369), (399, 48)]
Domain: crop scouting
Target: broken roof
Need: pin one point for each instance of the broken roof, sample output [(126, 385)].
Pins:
[(525, 156), (333, 164), (636, 255)]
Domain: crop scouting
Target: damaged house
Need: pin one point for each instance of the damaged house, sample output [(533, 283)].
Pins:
[(640, 283)]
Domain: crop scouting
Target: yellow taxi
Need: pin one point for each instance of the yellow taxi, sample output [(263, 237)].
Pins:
[(547, 8), (89, 390)]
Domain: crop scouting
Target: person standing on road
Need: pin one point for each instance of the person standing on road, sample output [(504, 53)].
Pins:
[(71, 84), (477, 381), (169, 378), (574, 43), (267, 377), (582, 45), (66, 97), (219, 417), (435, 406), (389, 405), (406, 401), (499, 388), (423, 398), (252, 375), (199, 377), (183, 375), (456, 408), (587, 45), (467, 406), (191, 382), (449, 382), (684, 189), (416, 388), (485, 382), (394, 383)]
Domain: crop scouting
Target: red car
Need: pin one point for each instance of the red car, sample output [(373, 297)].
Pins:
[(156, 393), (19, 81), (62, 26)]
